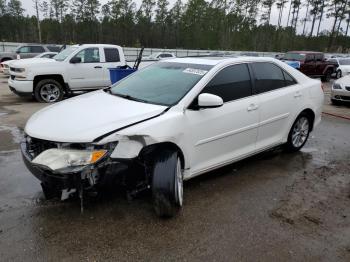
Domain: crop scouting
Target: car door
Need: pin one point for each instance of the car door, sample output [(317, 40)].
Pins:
[(279, 100), (35, 50), (320, 64), (220, 135), (24, 52), (88, 73), (309, 65), (111, 60)]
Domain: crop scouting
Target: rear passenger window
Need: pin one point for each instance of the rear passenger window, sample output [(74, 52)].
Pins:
[(268, 77), (112, 55), (231, 83), (37, 49)]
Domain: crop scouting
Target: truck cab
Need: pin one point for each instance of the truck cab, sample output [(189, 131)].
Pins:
[(77, 68)]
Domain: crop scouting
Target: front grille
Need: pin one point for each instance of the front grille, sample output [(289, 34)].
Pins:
[(13, 69), (347, 88), (37, 146), (347, 98)]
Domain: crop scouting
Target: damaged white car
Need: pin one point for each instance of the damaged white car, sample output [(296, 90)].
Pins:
[(170, 122)]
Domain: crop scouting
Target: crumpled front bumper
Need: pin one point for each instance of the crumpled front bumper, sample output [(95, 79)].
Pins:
[(105, 173)]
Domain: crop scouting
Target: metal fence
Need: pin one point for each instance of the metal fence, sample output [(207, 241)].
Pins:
[(132, 52)]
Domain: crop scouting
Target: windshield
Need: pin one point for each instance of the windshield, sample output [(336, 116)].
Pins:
[(65, 53), (294, 56), (160, 83), (344, 61)]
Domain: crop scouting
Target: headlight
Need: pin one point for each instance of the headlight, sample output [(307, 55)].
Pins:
[(336, 86), (18, 70), (62, 158)]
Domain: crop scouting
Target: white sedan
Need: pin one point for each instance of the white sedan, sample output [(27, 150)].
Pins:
[(169, 122), (341, 90)]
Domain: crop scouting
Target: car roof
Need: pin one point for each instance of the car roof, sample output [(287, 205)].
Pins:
[(99, 45), (305, 52), (215, 60)]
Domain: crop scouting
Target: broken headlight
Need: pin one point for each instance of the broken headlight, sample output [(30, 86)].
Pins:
[(64, 158)]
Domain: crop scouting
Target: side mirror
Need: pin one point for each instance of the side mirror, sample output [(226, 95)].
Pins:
[(18, 52), (206, 100), (75, 60)]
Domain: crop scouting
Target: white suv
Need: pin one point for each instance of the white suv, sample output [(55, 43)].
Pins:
[(77, 68), (170, 122)]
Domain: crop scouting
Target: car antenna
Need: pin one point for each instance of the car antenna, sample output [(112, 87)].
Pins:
[(138, 59)]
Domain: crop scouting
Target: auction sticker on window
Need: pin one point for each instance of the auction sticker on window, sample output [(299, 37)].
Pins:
[(195, 71)]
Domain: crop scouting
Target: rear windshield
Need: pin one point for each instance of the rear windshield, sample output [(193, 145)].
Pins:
[(160, 83), (344, 61), (294, 56)]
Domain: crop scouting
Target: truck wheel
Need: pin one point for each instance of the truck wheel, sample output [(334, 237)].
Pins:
[(327, 77), (299, 133), (339, 74), (167, 184), (48, 91)]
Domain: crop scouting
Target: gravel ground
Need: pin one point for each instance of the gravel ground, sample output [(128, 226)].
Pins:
[(271, 207)]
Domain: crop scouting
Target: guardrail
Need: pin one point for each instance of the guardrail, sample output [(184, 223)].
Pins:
[(132, 52)]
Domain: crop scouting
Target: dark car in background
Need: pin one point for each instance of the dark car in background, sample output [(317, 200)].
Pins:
[(28, 51), (312, 64)]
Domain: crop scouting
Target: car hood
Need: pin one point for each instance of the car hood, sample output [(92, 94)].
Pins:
[(85, 118), (30, 62), (345, 80), (345, 68)]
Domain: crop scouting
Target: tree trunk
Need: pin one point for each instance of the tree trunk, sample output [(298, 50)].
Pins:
[(38, 19), (306, 14), (321, 17), (290, 8)]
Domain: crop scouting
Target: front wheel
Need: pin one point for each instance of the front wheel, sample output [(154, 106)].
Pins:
[(339, 74), (299, 133), (167, 184), (48, 91), (327, 77)]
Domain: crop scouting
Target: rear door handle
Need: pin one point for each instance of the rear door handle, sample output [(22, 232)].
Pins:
[(252, 107), (98, 67)]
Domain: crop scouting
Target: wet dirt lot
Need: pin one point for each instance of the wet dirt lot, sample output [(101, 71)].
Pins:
[(271, 207)]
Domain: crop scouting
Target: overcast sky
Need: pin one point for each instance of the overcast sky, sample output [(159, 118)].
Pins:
[(327, 23)]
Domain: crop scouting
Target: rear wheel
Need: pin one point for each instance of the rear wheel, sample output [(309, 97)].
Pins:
[(167, 184), (327, 77), (299, 133), (339, 74), (48, 91)]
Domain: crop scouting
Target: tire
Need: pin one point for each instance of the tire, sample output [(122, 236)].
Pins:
[(167, 184), (335, 102), (48, 91), (299, 133), (327, 77), (338, 74)]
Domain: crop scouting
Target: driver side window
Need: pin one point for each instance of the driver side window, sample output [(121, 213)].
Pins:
[(89, 55), (24, 49), (231, 83)]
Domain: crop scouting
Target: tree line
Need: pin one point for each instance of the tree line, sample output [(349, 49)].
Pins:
[(194, 24)]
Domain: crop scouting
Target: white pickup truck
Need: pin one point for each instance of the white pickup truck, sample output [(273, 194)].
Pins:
[(77, 68)]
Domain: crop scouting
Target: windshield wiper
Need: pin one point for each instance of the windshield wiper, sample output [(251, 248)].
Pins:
[(131, 98)]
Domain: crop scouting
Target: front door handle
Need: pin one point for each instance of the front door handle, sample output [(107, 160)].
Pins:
[(297, 94), (252, 107), (99, 67)]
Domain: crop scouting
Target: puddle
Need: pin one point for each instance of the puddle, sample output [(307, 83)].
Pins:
[(309, 150), (10, 138)]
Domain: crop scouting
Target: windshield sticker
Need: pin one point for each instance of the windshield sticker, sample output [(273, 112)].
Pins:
[(195, 71)]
